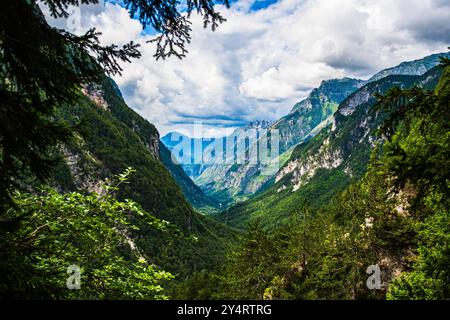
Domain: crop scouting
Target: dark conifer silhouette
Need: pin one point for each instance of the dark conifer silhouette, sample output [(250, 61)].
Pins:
[(42, 67)]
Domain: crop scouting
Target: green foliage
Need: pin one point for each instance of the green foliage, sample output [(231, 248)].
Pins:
[(321, 253), (116, 138), (351, 142), (42, 68), (191, 191), (419, 150), (415, 286), (396, 215), (429, 278), (251, 265), (201, 285), (417, 154), (48, 232)]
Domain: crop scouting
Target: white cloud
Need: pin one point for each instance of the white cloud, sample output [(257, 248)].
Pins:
[(258, 64)]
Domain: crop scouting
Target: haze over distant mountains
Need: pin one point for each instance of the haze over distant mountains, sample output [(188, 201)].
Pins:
[(233, 183)]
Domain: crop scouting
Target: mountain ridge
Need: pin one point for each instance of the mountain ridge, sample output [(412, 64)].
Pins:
[(413, 67), (112, 138), (236, 183), (327, 163)]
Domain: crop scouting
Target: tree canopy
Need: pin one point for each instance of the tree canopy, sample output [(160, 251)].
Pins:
[(43, 68)]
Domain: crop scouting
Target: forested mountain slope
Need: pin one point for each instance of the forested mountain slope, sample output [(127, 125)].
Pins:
[(194, 168), (238, 182), (412, 68), (321, 167), (88, 210), (392, 222), (229, 181), (232, 184), (112, 138), (191, 191)]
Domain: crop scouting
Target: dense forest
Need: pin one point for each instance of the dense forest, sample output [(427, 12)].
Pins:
[(93, 207), (397, 214)]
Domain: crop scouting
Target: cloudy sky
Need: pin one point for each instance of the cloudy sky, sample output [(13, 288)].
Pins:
[(266, 57)]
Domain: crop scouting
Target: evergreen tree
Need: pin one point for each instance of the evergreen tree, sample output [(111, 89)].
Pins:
[(91, 232), (42, 68), (417, 156)]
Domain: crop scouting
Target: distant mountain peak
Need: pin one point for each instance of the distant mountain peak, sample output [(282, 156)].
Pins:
[(168, 136), (333, 90), (339, 80), (258, 124), (412, 68)]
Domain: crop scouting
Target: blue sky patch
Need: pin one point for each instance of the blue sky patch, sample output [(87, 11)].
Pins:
[(262, 4)]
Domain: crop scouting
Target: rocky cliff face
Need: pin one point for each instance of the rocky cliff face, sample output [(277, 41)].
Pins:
[(225, 179), (240, 181), (108, 97), (327, 163), (351, 135), (86, 168), (112, 137), (309, 113), (191, 191), (231, 183), (334, 91), (412, 68), (96, 94)]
